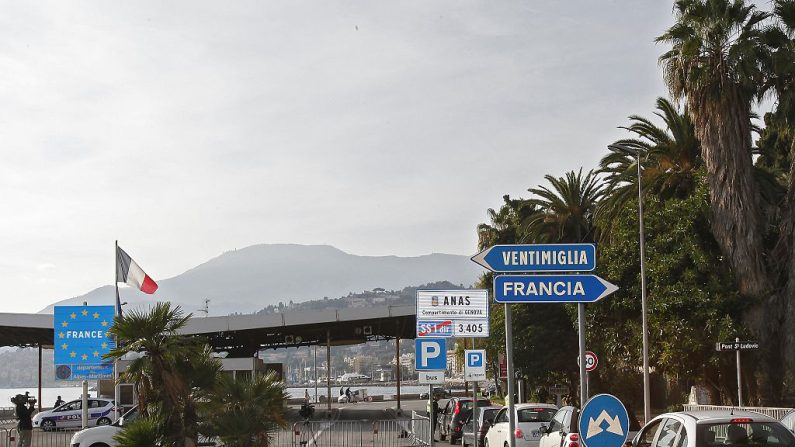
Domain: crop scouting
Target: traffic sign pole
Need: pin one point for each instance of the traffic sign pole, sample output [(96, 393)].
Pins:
[(509, 362), (581, 327), (739, 378), (475, 406)]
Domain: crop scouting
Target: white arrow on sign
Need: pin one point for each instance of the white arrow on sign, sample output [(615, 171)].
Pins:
[(595, 426)]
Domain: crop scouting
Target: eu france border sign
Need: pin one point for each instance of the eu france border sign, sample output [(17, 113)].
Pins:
[(551, 288), (538, 258), (81, 339)]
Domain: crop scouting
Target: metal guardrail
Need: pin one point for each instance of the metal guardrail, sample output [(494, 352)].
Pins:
[(774, 412), (412, 432)]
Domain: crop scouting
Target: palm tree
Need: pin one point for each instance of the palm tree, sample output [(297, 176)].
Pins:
[(671, 157), (504, 224), (163, 364), (715, 64), (566, 209), (245, 412)]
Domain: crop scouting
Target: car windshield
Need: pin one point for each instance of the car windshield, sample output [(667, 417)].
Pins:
[(535, 414), (751, 434), (466, 405), (127, 418)]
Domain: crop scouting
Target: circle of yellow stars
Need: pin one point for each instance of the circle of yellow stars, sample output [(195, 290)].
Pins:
[(62, 335)]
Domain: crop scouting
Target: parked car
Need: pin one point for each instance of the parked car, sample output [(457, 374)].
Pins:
[(713, 428), (356, 396), (452, 417), (103, 436), (440, 392), (70, 414), (485, 419), (529, 419), (562, 430), (789, 421)]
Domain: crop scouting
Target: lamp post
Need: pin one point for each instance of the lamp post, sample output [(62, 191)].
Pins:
[(634, 151)]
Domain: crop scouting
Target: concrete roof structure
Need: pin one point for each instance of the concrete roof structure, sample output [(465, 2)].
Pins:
[(243, 335)]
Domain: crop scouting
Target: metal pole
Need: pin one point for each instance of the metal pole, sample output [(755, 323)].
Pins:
[(738, 359), (739, 378), (397, 370), (581, 330), (509, 364), (474, 406), (116, 313), (328, 370), (314, 366), (646, 389), (84, 405), (431, 416)]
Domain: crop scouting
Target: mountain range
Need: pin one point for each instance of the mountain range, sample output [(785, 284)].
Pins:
[(249, 279)]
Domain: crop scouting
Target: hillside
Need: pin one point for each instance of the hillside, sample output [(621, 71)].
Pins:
[(250, 279)]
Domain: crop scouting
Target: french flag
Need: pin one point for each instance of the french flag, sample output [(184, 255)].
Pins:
[(127, 271)]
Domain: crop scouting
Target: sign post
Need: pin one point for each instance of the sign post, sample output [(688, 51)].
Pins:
[(738, 346), (555, 288)]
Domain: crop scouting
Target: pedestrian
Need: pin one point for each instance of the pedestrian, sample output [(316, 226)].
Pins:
[(25, 424), (348, 394), (342, 391), (58, 402), (306, 395)]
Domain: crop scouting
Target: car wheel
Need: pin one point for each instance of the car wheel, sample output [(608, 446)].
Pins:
[(99, 444), (47, 425), (103, 421)]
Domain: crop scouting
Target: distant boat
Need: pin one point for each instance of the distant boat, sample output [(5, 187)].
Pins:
[(353, 378)]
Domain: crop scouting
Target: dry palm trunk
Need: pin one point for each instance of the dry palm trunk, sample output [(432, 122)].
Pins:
[(723, 126)]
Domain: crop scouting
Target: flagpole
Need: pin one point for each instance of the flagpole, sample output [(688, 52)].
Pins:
[(116, 314)]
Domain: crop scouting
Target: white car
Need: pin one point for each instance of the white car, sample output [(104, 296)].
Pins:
[(562, 430), (789, 421), (529, 419), (103, 436), (70, 414), (712, 428)]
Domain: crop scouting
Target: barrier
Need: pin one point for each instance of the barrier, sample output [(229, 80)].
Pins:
[(39, 438), (381, 433), (774, 412)]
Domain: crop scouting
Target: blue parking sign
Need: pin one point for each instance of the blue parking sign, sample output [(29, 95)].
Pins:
[(475, 359), (430, 354)]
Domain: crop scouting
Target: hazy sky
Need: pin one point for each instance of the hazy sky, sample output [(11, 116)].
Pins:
[(185, 129)]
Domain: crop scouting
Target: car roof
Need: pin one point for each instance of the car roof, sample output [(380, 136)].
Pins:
[(718, 416), (536, 405)]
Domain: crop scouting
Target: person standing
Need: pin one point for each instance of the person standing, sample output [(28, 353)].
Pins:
[(25, 424), (58, 402), (306, 396)]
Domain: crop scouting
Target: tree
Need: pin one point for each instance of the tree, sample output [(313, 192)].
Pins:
[(715, 64), (565, 209), (670, 157), (245, 412), (167, 368)]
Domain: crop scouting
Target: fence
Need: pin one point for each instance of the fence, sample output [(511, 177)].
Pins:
[(384, 433), (775, 413)]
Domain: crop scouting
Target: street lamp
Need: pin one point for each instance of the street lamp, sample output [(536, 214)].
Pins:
[(634, 151)]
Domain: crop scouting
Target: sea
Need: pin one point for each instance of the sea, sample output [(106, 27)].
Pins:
[(50, 394)]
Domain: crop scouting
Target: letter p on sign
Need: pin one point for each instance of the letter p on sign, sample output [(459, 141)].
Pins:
[(430, 354), (474, 359)]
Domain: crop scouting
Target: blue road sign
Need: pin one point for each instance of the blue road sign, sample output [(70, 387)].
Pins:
[(604, 422), (434, 328), (551, 288), (534, 258), (81, 339), (475, 358), (430, 354)]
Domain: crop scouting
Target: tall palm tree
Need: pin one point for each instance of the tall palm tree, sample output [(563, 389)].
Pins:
[(160, 368), (566, 209), (715, 64), (504, 226), (246, 411), (671, 157)]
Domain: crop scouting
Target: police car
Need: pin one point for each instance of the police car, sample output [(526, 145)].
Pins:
[(70, 414)]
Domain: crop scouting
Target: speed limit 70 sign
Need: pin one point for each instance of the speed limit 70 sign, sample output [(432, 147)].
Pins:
[(590, 361)]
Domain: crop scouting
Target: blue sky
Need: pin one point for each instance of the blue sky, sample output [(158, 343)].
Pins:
[(188, 128)]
